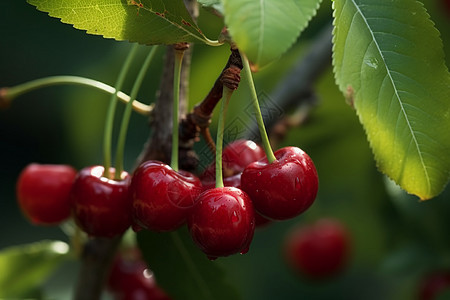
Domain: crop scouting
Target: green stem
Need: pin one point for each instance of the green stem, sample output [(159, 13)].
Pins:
[(259, 119), (175, 111), (107, 138), (226, 95), (10, 93), (120, 150)]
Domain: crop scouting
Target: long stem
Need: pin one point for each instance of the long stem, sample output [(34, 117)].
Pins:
[(175, 111), (107, 138), (10, 93), (219, 139), (259, 119), (120, 150)]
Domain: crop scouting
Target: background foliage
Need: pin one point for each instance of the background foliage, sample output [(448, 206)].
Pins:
[(396, 239)]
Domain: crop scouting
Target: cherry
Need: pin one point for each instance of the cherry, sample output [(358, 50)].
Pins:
[(130, 279), (162, 198), (434, 284), (235, 181), (284, 188), (43, 192), (318, 250), (101, 206), (222, 222), (235, 157)]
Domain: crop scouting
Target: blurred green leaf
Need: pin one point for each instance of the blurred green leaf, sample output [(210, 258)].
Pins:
[(215, 4), (266, 29), (143, 21), (181, 269), (24, 268), (389, 62)]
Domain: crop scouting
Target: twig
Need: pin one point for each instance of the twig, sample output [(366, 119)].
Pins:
[(198, 120)]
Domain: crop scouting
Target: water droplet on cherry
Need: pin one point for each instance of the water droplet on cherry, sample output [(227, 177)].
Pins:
[(244, 251), (234, 217), (298, 185)]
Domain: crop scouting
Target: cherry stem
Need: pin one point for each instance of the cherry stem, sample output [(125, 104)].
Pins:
[(120, 150), (7, 94), (175, 110), (107, 137), (257, 111), (227, 92)]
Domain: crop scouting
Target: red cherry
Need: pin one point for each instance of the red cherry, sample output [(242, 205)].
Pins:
[(222, 222), (261, 221), (43, 192), (235, 181), (235, 157), (434, 284), (318, 250), (284, 188), (130, 279), (101, 206), (162, 198)]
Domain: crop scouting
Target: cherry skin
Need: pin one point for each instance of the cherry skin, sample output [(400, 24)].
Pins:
[(235, 157), (319, 250), (43, 192), (284, 188), (130, 279), (434, 284), (222, 222), (235, 181), (162, 198), (101, 206)]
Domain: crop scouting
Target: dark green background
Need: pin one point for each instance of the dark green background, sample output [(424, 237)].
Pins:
[(395, 239)]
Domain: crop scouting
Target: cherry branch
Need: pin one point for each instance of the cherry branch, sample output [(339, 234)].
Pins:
[(198, 120)]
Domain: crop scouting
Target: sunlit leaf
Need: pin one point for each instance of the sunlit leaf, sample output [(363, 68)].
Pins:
[(143, 21), (181, 269), (25, 268), (388, 61), (265, 29)]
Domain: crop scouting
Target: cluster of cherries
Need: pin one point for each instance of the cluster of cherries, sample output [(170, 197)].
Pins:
[(221, 220)]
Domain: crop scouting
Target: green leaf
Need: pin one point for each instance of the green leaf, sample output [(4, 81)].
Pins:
[(181, 269), (214, 4), (209, 2), (389, 62), (144, 21), (265, 29), (24, 268)]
